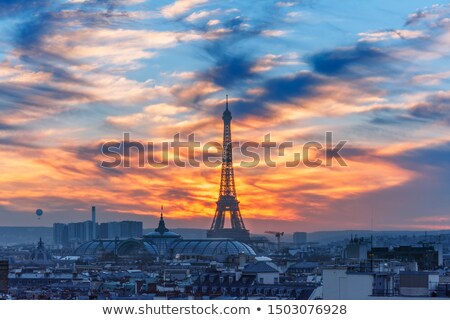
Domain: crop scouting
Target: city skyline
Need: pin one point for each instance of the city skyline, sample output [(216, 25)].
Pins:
[(76, 74)]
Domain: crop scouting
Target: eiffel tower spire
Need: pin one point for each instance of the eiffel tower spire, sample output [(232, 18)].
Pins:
[(227, 203)]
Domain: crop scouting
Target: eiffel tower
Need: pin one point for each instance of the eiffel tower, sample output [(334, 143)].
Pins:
[(228, 203)]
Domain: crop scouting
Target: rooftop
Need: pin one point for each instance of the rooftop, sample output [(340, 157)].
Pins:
[(260, 267)]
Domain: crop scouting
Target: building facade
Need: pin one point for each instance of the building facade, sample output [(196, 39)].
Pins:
[(4, 269), (74, 234)]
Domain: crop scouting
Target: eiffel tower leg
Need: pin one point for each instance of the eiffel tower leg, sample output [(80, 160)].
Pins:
[(222, 220), (236, 220)]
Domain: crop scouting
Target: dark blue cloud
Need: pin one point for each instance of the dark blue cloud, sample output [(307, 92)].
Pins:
[(231, 54), (35, 96), (436, 156), (285, 88), (353, 64), (18, 142), (390, 116), (230, 66), (233, 70), (435, 107), (233, 60), (5, 126), (29, 33), (280, 89), (339, 61), (47, 21), (51, 20), (355, 152), (28, 40), (230, 70), (12, 7), (56, 68), (37, 20)]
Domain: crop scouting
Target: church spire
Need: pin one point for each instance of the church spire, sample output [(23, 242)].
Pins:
[(162, 225)]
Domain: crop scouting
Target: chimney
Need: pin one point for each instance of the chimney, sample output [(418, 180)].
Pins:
[(94, 224)]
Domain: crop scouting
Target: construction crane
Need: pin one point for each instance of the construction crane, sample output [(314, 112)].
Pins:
[(278, 235)]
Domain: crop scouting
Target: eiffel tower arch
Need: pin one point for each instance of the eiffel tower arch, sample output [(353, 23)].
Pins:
[(227, 204)]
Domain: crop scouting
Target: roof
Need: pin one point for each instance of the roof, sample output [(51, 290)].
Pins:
[(260, 267), (304, 265), (419, 273), (123, 247), (211, 247)]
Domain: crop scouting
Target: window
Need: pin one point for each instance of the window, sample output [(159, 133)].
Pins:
[(261, 280)]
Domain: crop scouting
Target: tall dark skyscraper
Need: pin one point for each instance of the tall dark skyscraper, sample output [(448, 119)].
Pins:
[(228, 203)]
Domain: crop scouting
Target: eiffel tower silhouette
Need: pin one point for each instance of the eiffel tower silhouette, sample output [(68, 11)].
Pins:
[(228, 203)]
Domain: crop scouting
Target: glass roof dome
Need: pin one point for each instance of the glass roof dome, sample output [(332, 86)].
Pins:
[(124, 247), (211, 247), (164, 243)]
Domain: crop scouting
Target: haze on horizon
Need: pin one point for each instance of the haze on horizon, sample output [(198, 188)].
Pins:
[(74, 74)]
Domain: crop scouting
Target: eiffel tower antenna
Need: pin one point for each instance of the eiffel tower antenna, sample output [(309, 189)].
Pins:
[(227, 204)]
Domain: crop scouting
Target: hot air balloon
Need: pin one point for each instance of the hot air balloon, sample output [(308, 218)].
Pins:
[(39, 213)]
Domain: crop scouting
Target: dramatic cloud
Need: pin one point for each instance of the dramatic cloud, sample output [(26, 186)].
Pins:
[(435, 107), (11, 7), (347, 61), (229, 70), (75, 74)]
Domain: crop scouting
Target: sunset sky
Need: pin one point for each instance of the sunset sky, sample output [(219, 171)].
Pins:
[(75, 74)]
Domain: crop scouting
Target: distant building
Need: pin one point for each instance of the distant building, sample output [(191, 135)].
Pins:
[(299, 238), (80, 231), (73, 234), (60, 234), (131, 229), (357, 249), (40, 253), (122, 229), (4, 269), (427, 257)]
